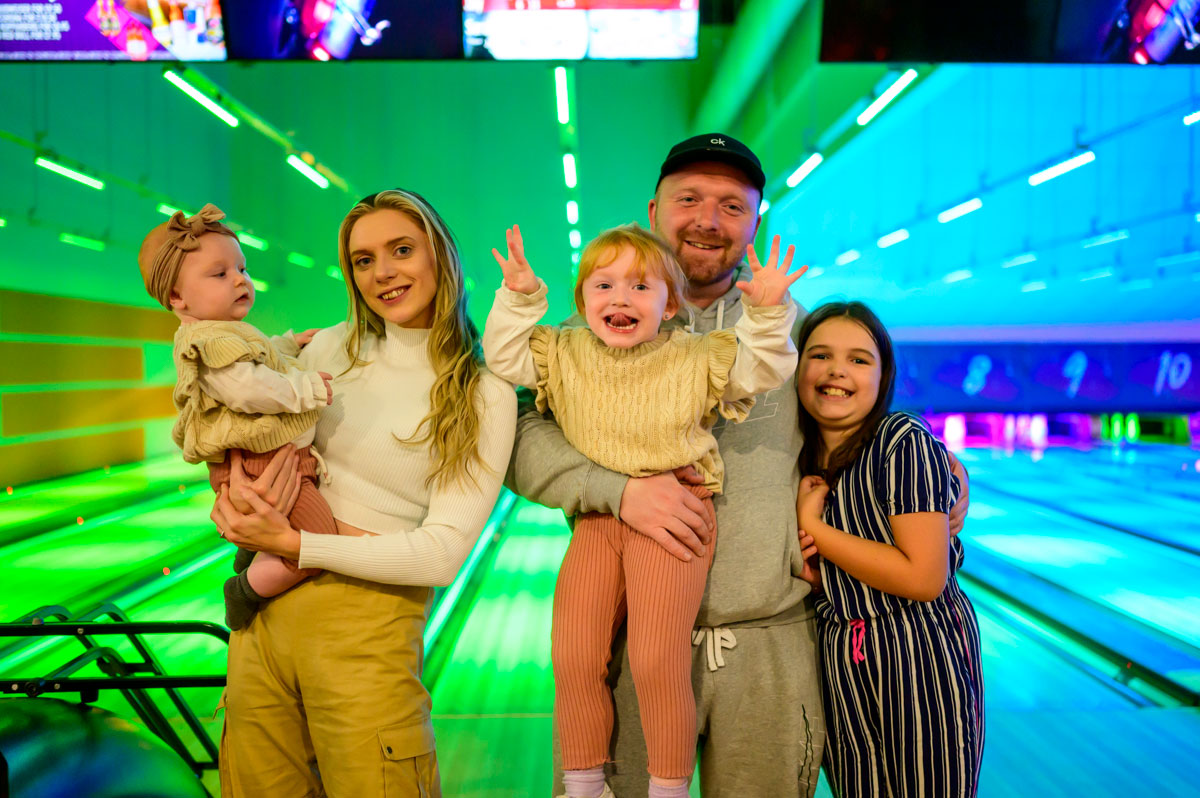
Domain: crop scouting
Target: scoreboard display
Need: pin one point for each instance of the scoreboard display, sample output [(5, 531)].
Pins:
[(1083, 377)]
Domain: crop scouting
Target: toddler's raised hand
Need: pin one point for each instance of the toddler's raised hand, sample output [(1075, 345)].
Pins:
[(518, 274), (768, 284)]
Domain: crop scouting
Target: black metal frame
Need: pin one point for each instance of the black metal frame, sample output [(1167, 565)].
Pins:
[(133, 679)]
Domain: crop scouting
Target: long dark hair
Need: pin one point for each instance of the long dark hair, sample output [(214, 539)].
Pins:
[(849, 449)]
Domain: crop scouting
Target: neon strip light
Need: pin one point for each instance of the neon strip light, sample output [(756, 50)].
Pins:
[(312, 174), (960, 210), (296, 259), (80, 241), (560, 94), (1036, 285), (1096, 275), (450, 598), (1019, 260), (888, 95), (576, 239), (763, 207), (892, 238), (1106, 238), (252, 241), (262, 286), (78, 177), (572, 212), (815, 271), (1057, 170), (849, 256), (805, 169), (1192, 118), (335, 273), (569, 170), (200, 97), (958, 276)]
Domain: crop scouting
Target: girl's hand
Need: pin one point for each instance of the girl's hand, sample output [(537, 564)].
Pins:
[(811, 570), (263, 529), (518, 274), (278, 485), (305, 337), (768, 284), (813, 491)]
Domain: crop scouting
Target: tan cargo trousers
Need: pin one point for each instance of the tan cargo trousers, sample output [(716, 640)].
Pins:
[(325, 696)]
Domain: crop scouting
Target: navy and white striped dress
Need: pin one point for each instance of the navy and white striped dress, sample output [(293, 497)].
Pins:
[(904, 683)]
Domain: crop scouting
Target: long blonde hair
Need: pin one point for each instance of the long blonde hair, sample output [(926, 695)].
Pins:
[(452, 427)]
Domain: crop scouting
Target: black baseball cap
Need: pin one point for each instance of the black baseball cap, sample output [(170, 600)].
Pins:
[(714, 147)]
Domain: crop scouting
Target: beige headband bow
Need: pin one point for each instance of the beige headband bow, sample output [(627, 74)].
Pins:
[(183, 236)]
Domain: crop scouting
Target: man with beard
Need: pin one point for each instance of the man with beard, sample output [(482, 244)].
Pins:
[(754, 668)]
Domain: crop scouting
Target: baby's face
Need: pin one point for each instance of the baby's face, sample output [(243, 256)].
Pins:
[(622, 309), (213, 284)]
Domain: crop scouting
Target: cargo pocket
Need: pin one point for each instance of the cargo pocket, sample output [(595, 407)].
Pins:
[(409, 762)]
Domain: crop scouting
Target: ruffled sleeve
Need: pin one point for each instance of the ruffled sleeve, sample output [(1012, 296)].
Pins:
[(543, 341), (722, 352)]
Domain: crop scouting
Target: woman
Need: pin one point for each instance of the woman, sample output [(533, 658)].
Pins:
[(416, 442)]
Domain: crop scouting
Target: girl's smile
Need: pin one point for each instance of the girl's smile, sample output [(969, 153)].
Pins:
[(839, 376)]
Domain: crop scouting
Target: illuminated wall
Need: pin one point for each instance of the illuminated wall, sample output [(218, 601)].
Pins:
[(1114, 241)]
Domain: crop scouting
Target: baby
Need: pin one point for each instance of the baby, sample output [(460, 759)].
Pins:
[(236, 390)]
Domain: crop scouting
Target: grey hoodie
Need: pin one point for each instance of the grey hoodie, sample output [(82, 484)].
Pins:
[(754, 579)]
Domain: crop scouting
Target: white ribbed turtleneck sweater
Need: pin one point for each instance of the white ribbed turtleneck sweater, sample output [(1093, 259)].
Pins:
[(377, 482)]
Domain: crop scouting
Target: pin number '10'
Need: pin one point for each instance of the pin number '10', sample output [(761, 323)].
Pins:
[(1173, 371)]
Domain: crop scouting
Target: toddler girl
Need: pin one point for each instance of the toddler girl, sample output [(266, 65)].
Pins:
[(641, 401)]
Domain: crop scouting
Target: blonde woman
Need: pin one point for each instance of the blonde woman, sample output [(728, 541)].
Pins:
[(324, 684)]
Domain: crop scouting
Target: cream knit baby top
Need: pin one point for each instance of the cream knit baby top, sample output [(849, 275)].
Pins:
[(206, 426), (377, 480), (649, 408)]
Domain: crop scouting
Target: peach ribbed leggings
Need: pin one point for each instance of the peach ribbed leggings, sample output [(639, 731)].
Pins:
[(610, 568)]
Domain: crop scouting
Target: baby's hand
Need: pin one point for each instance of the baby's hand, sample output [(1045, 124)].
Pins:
[(769, 284), (305, 337), (328, 378), (518, 274), (813, 491)]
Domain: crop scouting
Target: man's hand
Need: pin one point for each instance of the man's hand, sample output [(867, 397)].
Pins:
[(958, 513), (661, 508), (769, 284), (518, 274)]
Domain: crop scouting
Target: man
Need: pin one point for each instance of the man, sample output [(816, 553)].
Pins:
[(755, 673)]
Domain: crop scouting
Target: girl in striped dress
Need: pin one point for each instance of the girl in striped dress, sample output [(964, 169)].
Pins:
[(899, 639)]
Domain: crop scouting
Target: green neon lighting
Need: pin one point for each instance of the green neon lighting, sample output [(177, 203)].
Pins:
[(252, 241), (203, 99), (80, 241), (560, 93), (1118, 426), (3, 222), (296, 259), (78, 177), (312, 174), (335, 273), (261, 286), (1133, 427), (446, 605)]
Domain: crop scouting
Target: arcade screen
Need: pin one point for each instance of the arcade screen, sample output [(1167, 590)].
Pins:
[(112, 30), (580, 29), (1032, 31), (335, 30)]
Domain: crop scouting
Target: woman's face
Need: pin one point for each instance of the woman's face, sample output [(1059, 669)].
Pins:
[(394, 267), (840, 370)]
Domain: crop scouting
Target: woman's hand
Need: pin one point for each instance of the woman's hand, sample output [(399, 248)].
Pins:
[(769, 284), (279, 483), (813, 491), (518, 274), (262, 529), (811, 570)]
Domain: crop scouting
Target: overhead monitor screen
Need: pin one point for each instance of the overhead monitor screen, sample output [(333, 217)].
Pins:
[(1031, 31), (344, 30), (112, 30), (580, 29)]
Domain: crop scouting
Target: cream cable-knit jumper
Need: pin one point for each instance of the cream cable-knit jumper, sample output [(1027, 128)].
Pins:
[(377, 482), (649, 408)]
